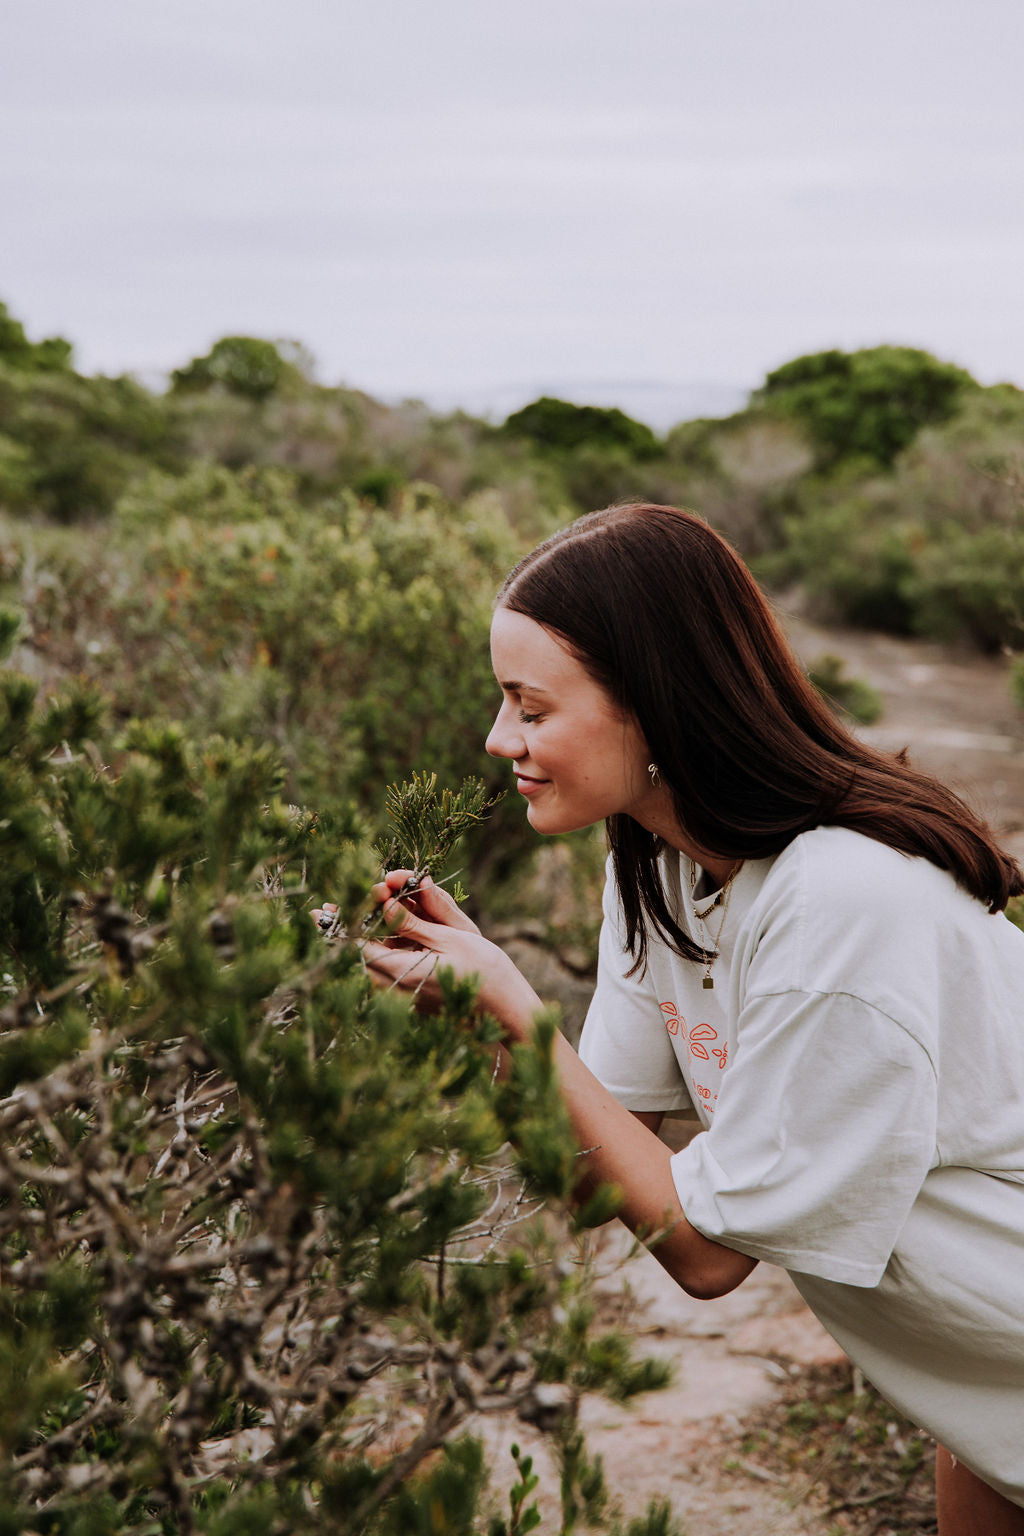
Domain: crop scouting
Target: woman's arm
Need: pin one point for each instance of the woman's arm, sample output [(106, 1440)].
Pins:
[(622, 1150), (619, 1148)]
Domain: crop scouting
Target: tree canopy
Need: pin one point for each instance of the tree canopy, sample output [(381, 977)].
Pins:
[(242, 365), (51, 354), (560, 425), (868, 404)]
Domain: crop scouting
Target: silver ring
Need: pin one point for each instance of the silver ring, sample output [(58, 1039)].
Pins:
[(325, 921)]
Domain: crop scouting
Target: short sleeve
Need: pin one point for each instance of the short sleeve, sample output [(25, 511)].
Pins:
[(823, 1135), (624, 1042)]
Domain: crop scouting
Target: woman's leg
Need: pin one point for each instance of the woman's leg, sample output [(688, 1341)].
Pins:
[(969, 1507)]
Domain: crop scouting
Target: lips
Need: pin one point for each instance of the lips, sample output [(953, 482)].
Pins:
[(528, 786)]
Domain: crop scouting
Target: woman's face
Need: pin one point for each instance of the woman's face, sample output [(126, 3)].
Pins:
[(577, 758)]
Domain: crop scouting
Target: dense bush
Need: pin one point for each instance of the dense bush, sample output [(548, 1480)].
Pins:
[(935, 548), (883, 481), (354, 641), (241, 365), (16, 351), (560, 425), (258, 1265), (595, 454), (70, 445)]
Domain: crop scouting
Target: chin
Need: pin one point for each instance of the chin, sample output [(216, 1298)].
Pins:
[(552, 825), (547, 826)]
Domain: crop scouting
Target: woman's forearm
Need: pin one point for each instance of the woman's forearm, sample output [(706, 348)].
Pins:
[(616, 1148)]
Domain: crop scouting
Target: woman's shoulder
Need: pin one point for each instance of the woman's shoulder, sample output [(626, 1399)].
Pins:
[(838, 864), (839, 911)]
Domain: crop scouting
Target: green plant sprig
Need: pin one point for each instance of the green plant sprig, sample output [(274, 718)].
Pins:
[(426, 826)]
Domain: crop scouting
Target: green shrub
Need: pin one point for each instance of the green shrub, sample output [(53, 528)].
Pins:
[(970, 585), (868, 404), (852, 696), (53, 354), (248, 1279), (935, 548), (380, 485), (352, 639), (559, 425), (847, 546), (77, 442), (241, 365)]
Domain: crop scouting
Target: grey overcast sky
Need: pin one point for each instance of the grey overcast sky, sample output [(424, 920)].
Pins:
[(655, 201)]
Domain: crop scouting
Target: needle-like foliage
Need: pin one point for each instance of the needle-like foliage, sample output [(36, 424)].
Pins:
[(264, 1247), (427, 823)]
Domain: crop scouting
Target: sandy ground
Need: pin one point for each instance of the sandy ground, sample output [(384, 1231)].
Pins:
[(684, 1443)]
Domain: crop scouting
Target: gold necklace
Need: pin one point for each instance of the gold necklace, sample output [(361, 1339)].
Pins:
[(709, 952)]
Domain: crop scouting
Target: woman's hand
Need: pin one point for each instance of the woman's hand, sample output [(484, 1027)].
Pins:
[(429, 930), (428, 901)]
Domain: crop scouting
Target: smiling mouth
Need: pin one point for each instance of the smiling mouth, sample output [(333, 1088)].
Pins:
[(524, 783)]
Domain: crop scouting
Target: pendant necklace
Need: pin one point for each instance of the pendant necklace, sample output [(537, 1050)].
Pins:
[(701, 912)]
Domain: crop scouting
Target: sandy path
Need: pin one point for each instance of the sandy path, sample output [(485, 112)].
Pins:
[(953, 710), (684, 1443)]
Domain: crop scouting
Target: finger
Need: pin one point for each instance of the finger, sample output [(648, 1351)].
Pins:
[(435, 903), (396, 878), (393, 881), (429, 899), (401, 967), (404, 883), (402, 921)]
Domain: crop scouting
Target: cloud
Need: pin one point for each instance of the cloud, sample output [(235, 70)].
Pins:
[(582, 188)]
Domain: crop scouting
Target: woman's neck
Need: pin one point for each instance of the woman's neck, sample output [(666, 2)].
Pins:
[(661, 822)]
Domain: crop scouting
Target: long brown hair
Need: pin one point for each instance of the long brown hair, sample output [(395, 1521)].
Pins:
[(663, 613)]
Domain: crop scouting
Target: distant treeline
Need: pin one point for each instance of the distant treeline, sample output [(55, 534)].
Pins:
[(263, 556), (885, 481)]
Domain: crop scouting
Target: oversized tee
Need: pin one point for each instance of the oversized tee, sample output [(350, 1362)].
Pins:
[(858, 1071)]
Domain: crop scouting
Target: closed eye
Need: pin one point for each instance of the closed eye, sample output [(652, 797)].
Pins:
[(527, 719)]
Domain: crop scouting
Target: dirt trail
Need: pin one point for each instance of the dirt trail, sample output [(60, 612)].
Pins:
[(954, 713), (952, 709), (684, 1443)]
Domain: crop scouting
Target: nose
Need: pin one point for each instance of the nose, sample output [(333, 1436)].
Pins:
[(505, 738)]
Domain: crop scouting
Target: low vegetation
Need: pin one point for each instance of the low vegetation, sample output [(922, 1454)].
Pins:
[(831, 1437), (265, 1247), (886, 482)]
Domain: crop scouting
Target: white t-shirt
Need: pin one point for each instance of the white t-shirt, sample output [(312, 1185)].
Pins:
[(859, 1071)]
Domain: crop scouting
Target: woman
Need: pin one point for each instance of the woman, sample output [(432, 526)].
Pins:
[(803, 939)]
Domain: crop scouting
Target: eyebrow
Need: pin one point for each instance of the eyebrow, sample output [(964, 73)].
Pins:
[(516, 687)]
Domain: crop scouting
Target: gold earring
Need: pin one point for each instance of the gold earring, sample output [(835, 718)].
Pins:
[(652, 769)]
